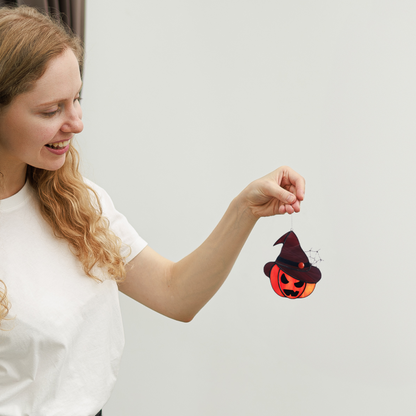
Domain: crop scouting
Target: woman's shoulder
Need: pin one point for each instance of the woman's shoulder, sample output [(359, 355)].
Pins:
[(93, 185), (118, 222), (100, 192), (105, 203)]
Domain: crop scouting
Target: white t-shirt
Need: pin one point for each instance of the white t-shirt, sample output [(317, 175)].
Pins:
[(60, 354)]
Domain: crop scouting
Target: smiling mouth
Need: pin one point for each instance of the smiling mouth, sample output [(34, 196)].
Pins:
[(58, 145), (291, 292)]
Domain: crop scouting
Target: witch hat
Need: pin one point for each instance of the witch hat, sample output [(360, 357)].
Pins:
[(293, 260)]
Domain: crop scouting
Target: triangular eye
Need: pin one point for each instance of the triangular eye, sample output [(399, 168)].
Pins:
[(299, 284), (283, 279)]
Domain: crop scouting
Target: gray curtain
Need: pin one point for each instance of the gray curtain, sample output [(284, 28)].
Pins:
[(72, 12)]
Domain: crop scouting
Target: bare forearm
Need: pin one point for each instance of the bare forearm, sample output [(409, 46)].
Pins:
[(197, 277)]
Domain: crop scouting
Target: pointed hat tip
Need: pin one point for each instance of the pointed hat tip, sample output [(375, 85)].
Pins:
[(283, 238)]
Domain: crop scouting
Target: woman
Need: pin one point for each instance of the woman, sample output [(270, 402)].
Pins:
[(64, 249)]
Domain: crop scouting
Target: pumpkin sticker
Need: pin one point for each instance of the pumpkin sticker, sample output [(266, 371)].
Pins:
[(291, 274)]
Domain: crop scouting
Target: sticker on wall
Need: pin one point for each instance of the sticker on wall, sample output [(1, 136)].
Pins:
[(291, 274)]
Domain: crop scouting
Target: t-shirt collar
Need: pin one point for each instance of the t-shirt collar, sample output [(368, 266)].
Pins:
[(17, 200)]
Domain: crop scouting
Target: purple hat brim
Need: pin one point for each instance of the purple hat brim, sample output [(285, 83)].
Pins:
[(268, 268), (308, 275)]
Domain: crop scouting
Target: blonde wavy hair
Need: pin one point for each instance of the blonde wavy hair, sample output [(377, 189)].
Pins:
[(28, 41)]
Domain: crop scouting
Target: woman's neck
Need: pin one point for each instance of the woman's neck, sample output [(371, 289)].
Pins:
[(11, 182)]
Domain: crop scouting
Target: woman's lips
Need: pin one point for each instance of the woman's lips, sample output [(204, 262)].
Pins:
[(58, 148)]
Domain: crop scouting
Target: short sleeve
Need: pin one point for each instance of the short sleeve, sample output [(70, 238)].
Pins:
[(133, 243)]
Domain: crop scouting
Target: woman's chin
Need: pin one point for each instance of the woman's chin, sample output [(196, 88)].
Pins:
[(51, 165)]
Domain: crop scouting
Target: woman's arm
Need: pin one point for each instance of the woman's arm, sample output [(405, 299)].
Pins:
[(179, 290)]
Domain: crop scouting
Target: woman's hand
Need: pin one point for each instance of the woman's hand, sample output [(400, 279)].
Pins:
[(279, 192)]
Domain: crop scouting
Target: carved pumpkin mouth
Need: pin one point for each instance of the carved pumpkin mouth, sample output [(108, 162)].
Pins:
[(285, 285), (291, 292)]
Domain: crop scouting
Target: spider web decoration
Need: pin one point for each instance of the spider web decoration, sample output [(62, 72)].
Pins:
[(314, 257)]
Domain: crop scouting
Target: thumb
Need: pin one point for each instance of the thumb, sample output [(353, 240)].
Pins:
[(284, 196)]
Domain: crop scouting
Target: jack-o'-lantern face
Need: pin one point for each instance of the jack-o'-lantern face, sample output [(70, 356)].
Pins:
[(287, 286)]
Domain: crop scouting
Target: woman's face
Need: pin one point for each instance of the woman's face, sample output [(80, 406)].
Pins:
[(37, 127)]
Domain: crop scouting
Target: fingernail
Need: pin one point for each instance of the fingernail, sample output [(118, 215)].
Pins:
[(291, 199)]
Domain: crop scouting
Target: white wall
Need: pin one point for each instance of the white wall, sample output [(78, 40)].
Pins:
[(186, 102)]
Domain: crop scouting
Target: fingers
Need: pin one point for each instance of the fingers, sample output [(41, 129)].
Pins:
[(289, 209), (283, 195), (288, 203), (295, 207), (292, 190), (295, 181), (279, 192)]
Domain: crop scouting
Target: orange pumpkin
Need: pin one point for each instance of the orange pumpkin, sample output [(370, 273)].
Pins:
[(287, 286)]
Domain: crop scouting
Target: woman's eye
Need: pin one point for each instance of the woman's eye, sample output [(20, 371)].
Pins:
[(50, 113)]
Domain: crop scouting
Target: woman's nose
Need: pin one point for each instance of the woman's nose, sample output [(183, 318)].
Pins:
[(77, 125), (73, 122)]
